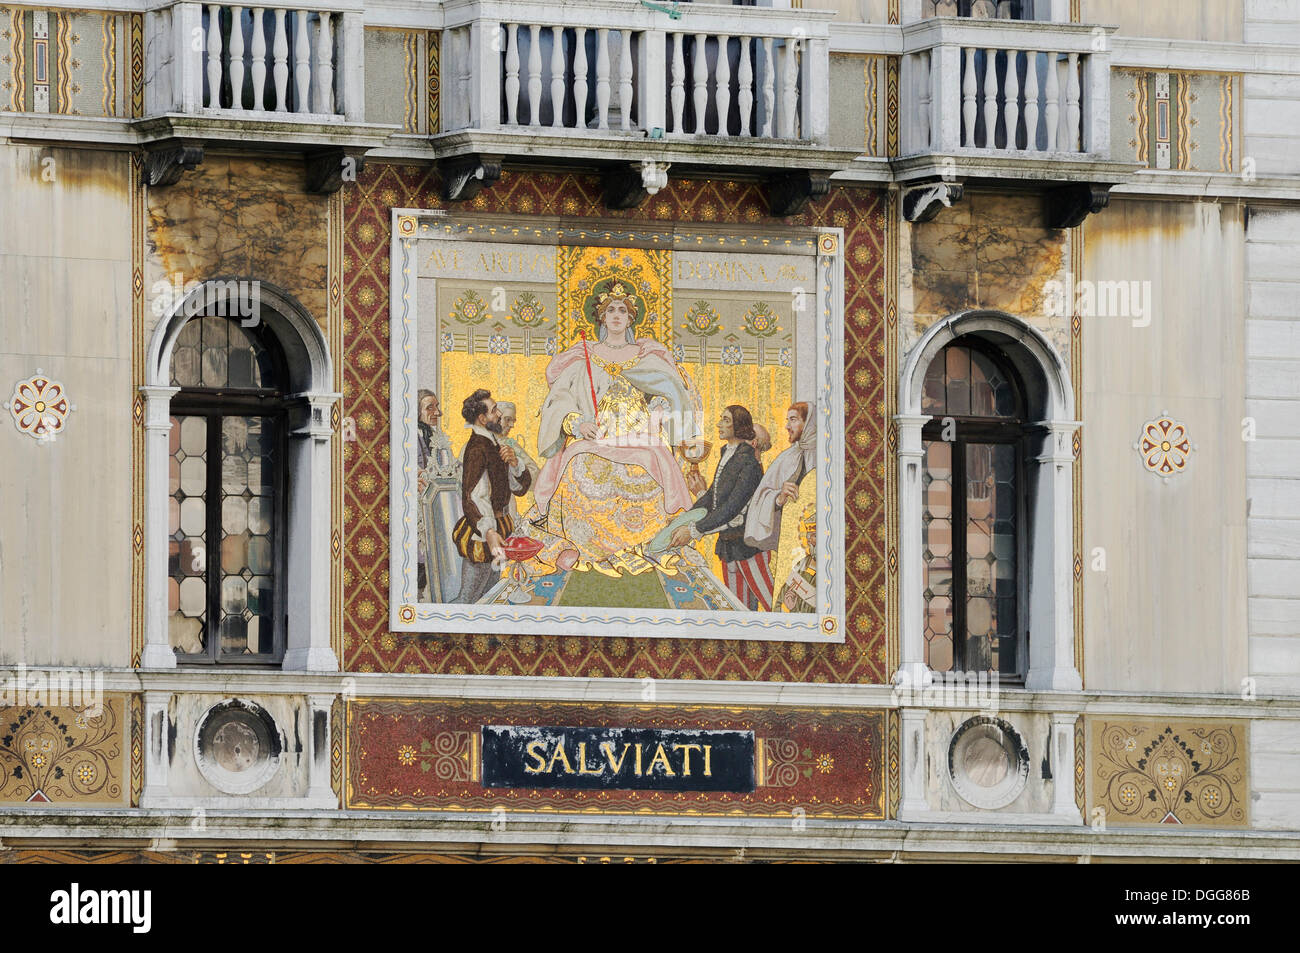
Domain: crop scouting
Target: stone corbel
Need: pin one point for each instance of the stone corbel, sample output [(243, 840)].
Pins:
[(790, 192), (328, 169), (164, 165), (1069, 205), (463, 177), (922, 203), (628, 186)]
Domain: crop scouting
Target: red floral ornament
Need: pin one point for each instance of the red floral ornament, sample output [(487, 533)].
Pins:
[(39, 406)]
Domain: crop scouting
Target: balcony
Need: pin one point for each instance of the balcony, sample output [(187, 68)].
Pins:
[(624, 84), (278, 78), (1006, 100)]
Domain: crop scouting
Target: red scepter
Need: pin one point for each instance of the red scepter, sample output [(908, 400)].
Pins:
[(590, 380)]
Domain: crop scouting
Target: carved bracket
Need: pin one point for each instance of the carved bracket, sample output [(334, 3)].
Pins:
[(463, 177), (628, 186), (922, 203), (1068, 206), (163, 166), (789, 193), (328, 169)]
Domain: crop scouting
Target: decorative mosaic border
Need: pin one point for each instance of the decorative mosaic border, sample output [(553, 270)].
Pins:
[(421, 755), (369, 645)]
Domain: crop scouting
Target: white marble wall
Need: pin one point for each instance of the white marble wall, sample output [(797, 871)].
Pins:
[(1167, 613), (65, 522), (1273, 457), (1275, 774)]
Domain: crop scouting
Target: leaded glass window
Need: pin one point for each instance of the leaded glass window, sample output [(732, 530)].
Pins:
[(973, 512), (228, 465)]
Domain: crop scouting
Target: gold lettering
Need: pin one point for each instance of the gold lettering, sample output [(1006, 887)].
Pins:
[(638, 759), (582, 760), (534, 750), (614, 766), (708, 764), (559, 755), (686, 757), (661, 756)]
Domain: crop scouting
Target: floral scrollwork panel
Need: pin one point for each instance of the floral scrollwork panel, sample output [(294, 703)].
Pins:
[(1170, 773), (62, 754)]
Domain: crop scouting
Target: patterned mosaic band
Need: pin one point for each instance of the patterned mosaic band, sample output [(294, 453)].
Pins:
[(423, 755)]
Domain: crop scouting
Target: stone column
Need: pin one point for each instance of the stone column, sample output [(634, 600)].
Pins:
[(912, 670), (319, 792), (157, 651), (1062, 742), (157, 756), (1051, 598), (308, 585), (913, 804)]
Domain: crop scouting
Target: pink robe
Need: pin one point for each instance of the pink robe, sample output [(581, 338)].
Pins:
[(571, 391)]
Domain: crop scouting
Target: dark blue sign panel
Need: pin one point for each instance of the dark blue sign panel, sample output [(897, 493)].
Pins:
[(640, 759)]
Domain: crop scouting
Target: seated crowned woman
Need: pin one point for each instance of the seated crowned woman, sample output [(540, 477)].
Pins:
[(610, 481)]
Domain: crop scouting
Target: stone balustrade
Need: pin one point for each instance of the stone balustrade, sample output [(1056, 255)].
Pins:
[(1006, 87), (617, 65)]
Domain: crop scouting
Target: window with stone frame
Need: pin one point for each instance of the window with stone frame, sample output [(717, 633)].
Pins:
[(227, 485), (974, 512)]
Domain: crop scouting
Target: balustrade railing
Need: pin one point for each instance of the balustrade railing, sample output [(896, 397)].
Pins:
[(259, 62), (1024, 89), (613, 65)]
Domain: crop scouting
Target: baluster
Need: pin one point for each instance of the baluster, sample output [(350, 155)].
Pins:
[(602, 78), (236, 57), (257, 71), (722, 85), (922, 78), (1053, 94), (214, 56), (465, 74), (769, 87), (700, 91), (580, 77), (1072, 111), (280, 69), (325, 66), (301, 62), (746, 92), (512, 73), (625, 79), (968, 99), (1011, 109), (789, 91), (679, 84), (534, 74), (557, 76), (990, 99), (1031, 101)]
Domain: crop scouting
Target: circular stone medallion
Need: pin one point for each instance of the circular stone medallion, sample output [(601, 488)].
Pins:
[(988, 763), (237, 746)]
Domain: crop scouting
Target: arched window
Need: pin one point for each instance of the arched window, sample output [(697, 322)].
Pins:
[(985, 504), (973, 511), (227, 484)]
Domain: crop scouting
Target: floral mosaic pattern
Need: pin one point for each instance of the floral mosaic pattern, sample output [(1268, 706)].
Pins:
[(58, 755), (39, 406), (1164, 446), (1170, 773)]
